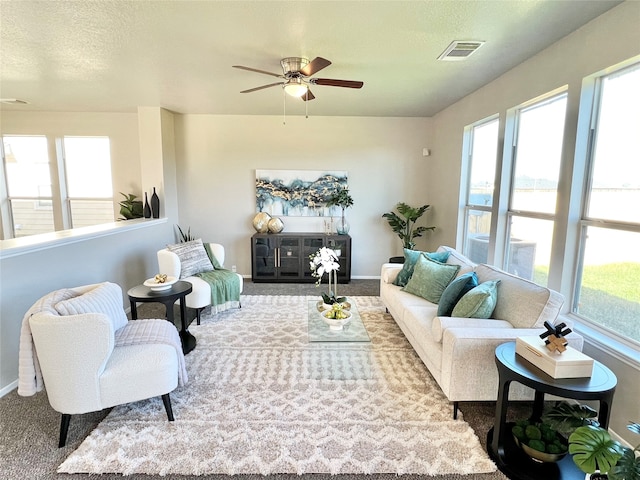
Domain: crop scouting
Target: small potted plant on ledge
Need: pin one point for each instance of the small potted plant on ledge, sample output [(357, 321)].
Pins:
[(130, 207), (341, 198), (403, 225)]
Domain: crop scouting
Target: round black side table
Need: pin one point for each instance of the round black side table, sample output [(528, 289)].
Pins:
[(169, 297), (510, 459)]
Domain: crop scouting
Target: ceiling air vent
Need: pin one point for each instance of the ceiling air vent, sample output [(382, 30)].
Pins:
[(459, 50)]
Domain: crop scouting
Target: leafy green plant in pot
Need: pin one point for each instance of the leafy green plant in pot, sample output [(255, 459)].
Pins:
[(403, 225), (341, 198), (595, 452), (130, 207)]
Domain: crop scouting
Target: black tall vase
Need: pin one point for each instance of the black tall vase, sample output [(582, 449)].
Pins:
[(155, 204), (147, 209)]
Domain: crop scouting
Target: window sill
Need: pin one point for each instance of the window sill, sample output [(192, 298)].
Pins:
[(25, 245), (604, 341)]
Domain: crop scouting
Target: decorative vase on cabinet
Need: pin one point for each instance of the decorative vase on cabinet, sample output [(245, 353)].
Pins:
[(342, 226), (155, 204)]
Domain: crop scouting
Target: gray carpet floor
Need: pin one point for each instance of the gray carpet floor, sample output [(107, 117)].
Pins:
[(29, 427)]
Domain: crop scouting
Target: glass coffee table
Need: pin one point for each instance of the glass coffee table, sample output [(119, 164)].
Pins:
[(319, 330)]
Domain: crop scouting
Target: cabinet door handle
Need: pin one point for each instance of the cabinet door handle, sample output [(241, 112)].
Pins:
[(275, 257)]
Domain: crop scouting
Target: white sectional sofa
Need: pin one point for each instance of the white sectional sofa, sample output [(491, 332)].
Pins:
[(459, 352)]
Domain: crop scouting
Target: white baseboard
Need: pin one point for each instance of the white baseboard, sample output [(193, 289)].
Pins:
[(9, 388)]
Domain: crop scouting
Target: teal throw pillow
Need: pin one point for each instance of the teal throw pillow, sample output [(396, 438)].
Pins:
[(479, 302), (430, 278), (410, 259), (455, 291)]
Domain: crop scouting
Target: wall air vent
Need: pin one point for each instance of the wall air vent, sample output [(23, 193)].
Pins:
[(459, 50)]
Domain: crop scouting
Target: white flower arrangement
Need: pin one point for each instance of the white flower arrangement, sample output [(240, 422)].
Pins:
[(325, 260)]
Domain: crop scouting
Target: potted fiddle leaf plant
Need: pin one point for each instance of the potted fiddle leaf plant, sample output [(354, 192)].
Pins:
[(403, 224)]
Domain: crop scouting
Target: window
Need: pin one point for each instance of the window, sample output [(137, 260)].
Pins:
[(535, 157), (608, 289), (88, 174), (71, 188), (28, 183), (482, 150)]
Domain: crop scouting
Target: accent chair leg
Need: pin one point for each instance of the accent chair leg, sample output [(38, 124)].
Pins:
[(455, 410), (167, 406), (64, 428), (198, 312)]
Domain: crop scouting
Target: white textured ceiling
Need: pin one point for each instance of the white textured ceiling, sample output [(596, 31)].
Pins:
[(113, 56)]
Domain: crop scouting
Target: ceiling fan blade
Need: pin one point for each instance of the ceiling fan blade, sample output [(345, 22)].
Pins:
[(337, 83), (307, 96), (314, 66), (258, 71), (263, 86)]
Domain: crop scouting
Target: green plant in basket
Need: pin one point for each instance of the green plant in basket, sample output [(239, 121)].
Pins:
[(540, 440)]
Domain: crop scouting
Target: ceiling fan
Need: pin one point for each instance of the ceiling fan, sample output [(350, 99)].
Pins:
[(296, 72)]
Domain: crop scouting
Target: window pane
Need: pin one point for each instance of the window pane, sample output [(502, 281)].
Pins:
[(88, 167), (615, 189), (529, 249), (477, 240), (91, 212), (27, 166), (483, 163), (609, 289), (32, 217), (538, 154)]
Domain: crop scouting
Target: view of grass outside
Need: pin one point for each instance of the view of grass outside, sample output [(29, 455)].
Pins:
[(610, 296)]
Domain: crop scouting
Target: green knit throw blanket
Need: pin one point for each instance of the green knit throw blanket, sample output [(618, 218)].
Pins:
[(225, 284)]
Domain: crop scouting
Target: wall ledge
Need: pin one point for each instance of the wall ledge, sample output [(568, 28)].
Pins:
[(25, 245)]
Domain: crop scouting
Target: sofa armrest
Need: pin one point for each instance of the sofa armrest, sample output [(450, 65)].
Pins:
[(440, 324), (389, 272), (464, 346)]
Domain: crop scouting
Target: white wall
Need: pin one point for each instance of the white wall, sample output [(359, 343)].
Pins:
[(217, 157), (606, 41)]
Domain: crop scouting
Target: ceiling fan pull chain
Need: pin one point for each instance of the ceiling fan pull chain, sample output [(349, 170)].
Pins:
[(284, 107), (306, 105)]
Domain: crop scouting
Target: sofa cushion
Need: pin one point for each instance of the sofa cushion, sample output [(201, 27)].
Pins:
[(193, 257), (430, 278), (454, 292), (106, 298), (410, 259), (456, 258), (523, 303), (479, 302), (440, 324)]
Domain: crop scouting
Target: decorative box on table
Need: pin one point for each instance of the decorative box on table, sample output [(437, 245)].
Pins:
[(569, 364)]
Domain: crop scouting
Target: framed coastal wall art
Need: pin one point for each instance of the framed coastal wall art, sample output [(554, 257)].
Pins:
[(298, 193)]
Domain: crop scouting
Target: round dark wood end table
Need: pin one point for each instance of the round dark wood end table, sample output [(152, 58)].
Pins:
[(510, 459), (169, 297)]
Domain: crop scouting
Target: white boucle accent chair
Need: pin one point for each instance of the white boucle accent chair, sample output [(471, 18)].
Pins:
[(200, 297), (79, 343), (460, 352)]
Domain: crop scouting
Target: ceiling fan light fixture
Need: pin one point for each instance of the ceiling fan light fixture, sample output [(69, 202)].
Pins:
[(296, 88)]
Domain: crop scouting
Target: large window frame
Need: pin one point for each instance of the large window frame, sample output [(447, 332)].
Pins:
[(570, 217), (60, 201)]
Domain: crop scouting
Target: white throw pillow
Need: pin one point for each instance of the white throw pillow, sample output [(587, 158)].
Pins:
[(106, 298), (193, 257)]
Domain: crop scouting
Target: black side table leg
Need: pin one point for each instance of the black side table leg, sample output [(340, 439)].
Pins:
[(497, 441), (134, 310)]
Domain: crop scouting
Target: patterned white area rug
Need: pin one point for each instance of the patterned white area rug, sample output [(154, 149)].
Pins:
[(262, 400)]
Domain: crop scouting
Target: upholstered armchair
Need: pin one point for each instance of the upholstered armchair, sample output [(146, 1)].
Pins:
[(79, 344), (171, 260)]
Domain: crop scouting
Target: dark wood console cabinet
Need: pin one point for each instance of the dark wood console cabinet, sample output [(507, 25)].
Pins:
[(284, 257)]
